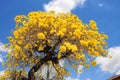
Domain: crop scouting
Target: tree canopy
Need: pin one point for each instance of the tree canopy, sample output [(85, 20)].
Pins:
[(44, 38)]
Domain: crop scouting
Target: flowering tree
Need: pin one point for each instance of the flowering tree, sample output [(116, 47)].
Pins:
[(44, 38)]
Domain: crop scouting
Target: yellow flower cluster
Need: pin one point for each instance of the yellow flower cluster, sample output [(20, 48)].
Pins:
[(28, 46), (70, 46), (93, 25), (62, 48), (8, 74), (41, 36), (93, 63), (59, 55), (84, 43), (79, 56)]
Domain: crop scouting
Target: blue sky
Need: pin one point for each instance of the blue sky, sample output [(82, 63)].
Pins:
[(105, 12)]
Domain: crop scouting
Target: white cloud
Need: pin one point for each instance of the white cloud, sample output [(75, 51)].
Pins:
[(80, 67), (2, 49), (100, 5), (110, 65), (63, 5), (61, 62), (118, 72), (1, 59), (88, 79), (70, 78), (1, 72)]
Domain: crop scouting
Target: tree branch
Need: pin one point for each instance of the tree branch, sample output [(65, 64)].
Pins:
[(35, 68), (58, 41), (67, 54)]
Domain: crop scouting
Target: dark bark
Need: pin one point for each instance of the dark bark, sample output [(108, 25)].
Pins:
[(35, 68), (49, 51)]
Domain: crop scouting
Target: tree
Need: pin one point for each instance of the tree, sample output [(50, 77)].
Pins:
[(42, 39)]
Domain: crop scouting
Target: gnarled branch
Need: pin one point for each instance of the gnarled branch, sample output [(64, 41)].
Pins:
[(37, 66)]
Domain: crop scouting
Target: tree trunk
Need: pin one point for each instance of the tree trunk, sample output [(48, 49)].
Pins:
[(36, 67)]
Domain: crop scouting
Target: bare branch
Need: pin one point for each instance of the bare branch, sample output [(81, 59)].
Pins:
[(36, 67)]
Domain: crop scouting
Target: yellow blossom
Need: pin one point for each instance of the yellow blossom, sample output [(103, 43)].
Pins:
[(74, 48), (67, 44), (16, 55), (86, 65), (63, 71), (40, 47), (15, 33), (96, 53), (62, 48), (82, 56), (52, 31), (59, 55), (19, 41), (78, 56), (63, 30), (17, 48), (93, 63), (110, 56), (93, 25), (41, 36), (60, 33), (84, 43), (28, 46)]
